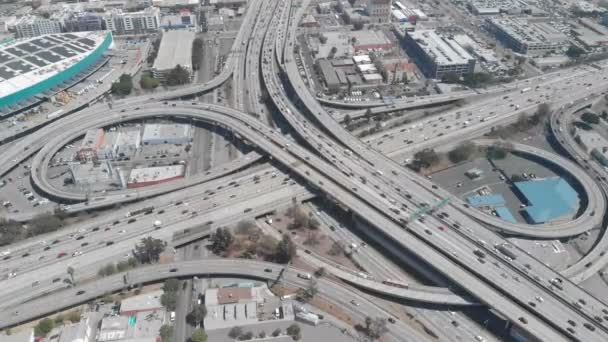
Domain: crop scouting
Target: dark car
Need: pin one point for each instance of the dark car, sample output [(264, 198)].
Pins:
[(267, 270), (173, 270), (109, 243), (79, 292)]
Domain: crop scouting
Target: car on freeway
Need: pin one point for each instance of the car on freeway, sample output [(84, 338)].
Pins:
[(61, 254)]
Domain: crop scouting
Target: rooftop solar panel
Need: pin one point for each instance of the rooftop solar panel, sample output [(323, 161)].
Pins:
[(42, 43), (6, 74), (73, 47), (35, 61), (48, 56), (28, 47), (63, 51), (4, 58), (87, 41), (54, 40), (19, 65), (15, 52)]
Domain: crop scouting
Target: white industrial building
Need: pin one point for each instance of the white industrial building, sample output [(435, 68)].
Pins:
[(155, 134), (493, 7), (155, 175), (438, 56), (527, 36), (175, 49)]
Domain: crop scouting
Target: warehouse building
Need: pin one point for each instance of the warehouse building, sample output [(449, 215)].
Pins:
[(329, 75), (155, 134), (493, 7), (367, 41), (100, 145), (155, 175), (95, 176), (551, 199), (526, 36), (437, 56), (139, 327), (175, 49), (28, 68)]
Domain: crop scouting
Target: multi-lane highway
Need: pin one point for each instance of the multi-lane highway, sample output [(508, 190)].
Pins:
[(366, 182)]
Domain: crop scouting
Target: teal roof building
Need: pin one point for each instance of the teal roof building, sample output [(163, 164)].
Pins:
[(548, 199)]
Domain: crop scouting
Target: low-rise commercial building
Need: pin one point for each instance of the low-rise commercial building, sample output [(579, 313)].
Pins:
[(175, 49), (229, 307), (184, 20), (155, 134), (492, 7), (527, 36), (595, 144), (141, 303), (99, 176), (154, 175), (438, 56), (551, 199)]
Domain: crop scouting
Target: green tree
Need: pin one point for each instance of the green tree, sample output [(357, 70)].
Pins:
[(171, 285), (294, 331), (199, 335), (322, 39), (148, 82), (123, 86), (358, 25), (347, 119), (169, 300), (462, 152), (286, 250), (44, 327), (166, 333), (246, 336), (426, 158), (590, 118), (221, 240), (375, 328), (197, 314), (276, 332), (496, 152), (574, 51), (178, 76), (235, 332), (122, 266), (148, 250)]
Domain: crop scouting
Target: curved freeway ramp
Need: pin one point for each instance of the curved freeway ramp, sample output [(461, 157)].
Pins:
[(589, 219), (596, 259)]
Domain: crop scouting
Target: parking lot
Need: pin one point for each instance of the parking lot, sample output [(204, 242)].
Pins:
[(494, 179)]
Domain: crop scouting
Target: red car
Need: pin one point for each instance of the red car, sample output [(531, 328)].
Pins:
[(61, 254)]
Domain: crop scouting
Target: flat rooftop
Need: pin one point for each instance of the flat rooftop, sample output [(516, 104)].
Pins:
[(528, 31), (175, 49), (443, 50), (548, 199), (148, 301), (26, 62), (153, 174)]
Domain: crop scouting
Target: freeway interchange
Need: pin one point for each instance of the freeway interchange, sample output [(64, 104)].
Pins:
[(329, 160)]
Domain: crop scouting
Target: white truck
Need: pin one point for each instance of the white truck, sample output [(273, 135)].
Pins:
[(525, 90), (157, 224), (306, 276)]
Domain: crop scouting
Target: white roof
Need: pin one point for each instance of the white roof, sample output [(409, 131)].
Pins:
[(362, 59), (175, 48), (443, 50), (152, 174)]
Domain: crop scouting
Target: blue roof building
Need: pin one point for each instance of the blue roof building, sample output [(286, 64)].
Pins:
[(548, 199), (486, 200), (505, 214)]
